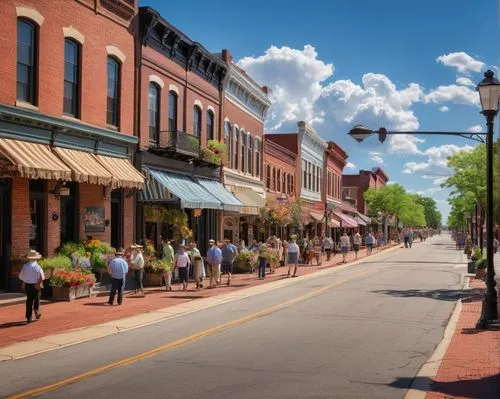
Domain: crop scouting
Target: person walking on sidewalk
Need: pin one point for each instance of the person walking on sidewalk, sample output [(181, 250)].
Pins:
[(328, 246), (168, 257), (118, 269), (356, 243), (214, 258), (229, 252), (262, 259), (293, 252), (198, 266), (369, 240), (181, 263), (345, 244), (32, 277), (137, 261)]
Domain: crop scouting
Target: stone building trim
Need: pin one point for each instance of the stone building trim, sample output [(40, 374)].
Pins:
[(30, 13), (116, 52), (199, 104), (72, 33), (156, 79), (174, 88)]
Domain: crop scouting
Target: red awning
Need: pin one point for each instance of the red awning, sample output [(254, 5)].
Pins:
[(317, 215), (347, 222), (333, 223)]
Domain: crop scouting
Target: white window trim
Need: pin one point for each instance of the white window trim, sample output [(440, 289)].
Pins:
[(116, 52), (210, 108), (175, 89), (30, 13), (72, 33), (156, 79), (198, 103)]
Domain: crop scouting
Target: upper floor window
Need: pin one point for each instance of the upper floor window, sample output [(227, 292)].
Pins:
[(154, 114), (236, 144), (274, 180), (227, 141), (288, 182), (210, 125), (278, 181), (250, 154), (243, 149), (257, 157), (304, 174), (113, 97), (197, 121), (283, 183), (26, 61), (71, 78), (309, 176), (292, 188), (268, 176), (172, 111)]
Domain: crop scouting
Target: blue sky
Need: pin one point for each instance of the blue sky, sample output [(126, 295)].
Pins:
[(405, 65)]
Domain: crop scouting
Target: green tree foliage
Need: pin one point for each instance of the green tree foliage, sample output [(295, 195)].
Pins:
[(432, 215)]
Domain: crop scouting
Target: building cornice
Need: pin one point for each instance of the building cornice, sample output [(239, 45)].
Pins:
[(277, 151), (307, 130)]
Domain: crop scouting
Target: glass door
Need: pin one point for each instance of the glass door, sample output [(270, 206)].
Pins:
[(116, 219), (5, 227), (37, 211)]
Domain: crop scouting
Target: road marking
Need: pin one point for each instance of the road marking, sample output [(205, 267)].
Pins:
[(180, 342)]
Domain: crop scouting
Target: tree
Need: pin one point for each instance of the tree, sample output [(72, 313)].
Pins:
[(432, 215)]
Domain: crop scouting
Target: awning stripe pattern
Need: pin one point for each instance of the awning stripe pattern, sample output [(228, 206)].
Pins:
[(367, 220), (347, 222), (229, 202), (33, 161), (85, 167), (191, 194), (251, 200), (332, 223), (124, 173)]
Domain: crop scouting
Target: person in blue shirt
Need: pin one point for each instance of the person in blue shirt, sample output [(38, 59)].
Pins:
[(229, 252), (118, 269), (214, 258)]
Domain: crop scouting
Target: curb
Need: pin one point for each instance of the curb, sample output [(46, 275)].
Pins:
[(421, 383), (40, 345)]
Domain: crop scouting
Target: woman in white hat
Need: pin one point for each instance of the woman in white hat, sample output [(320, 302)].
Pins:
[(32, 277), (137, 261)]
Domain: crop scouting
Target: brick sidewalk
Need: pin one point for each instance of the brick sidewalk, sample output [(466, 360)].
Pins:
[(63, 316), (471, 365)]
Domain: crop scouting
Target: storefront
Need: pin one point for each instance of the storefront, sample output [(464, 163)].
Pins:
[(57, 177)]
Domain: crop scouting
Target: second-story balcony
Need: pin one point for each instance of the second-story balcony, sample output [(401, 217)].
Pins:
[(177, 142)]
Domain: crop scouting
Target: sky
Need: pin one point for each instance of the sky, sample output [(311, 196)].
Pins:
[(400, 64)]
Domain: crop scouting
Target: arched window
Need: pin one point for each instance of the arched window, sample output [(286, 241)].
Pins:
[(278, 180), (292, 186), (154, 114), (113, 98), (268, 177), (250, 154), (274, 180), (172, 111), (236, 149), (243, 143), (257, 157), (26, 61), (283, 183), (71, 103), (210, 125), (197, 121), (227, 142)]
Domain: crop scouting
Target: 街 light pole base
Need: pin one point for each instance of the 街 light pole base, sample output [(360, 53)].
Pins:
[(489, 316)]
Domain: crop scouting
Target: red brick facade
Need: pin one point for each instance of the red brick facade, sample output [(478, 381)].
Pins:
[(279, 171), (335, 160), (354, 186)]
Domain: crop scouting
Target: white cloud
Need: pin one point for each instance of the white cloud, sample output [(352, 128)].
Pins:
[(444, 108), (377, 157), (436, 165), (463, 62), (350, 165), (464, 81), (404, 144), (454, 94), (427, 191), (475, 129)]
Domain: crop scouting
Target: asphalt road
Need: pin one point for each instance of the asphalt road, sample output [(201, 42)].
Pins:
[(360, 332)]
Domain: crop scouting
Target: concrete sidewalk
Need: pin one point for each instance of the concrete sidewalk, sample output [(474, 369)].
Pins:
[(471, 366), (67, 323)]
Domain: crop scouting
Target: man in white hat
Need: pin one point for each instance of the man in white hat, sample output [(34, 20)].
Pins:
[(214, 258), (118, 269), (32, 276), (137, 261)]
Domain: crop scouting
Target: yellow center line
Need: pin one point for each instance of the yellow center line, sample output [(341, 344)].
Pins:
[(180, 342)]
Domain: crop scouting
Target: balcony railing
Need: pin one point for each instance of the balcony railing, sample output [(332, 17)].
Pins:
[(180, 142)]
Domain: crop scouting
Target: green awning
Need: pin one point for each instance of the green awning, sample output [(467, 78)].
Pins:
[(229, 202), (160, 184)]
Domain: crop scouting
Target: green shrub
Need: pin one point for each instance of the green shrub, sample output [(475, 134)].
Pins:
[(71, 248), (482, 263), (56, 262)]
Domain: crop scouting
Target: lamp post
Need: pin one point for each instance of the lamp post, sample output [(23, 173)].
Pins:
[(489, 93)]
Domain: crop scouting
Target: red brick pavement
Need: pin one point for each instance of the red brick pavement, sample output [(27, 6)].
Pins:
[(58, 317), (471, 366)]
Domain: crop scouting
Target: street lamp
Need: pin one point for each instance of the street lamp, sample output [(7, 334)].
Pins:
[(489, 93)]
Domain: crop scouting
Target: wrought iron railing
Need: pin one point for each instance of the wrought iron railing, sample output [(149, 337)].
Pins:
[(180, 142)]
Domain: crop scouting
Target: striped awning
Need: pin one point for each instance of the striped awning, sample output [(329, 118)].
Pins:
[(367, 220), (333, 223), (251, 200), (229, 202), (346, 221), (123, 172), (160, 184), (32, 161)]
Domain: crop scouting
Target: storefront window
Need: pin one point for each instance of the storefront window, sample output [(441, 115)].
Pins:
[(37, 211)]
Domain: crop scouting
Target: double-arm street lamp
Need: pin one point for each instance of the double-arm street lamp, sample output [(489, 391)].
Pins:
[(489, 94)]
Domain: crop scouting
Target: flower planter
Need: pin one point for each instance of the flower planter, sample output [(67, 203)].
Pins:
[(152, 279), (471, 267), (242, 267), (70, 293), (480, 273)]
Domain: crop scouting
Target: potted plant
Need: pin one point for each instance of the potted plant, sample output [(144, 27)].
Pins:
[(71, 284), (245, 261), (476, 255), (481, 266), (154, 270), (272, 258), (53, 263)]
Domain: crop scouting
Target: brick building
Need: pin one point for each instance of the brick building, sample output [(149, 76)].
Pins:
[(66, 126), (179, 90), (244, 108)]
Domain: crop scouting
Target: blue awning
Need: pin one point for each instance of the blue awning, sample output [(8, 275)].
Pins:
[(160, 184), (229, 202)]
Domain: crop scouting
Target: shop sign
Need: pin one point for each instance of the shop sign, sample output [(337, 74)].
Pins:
[(94, 220)]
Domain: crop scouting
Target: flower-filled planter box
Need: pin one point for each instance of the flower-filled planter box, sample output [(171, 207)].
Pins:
[(70, 293), (150, 279)]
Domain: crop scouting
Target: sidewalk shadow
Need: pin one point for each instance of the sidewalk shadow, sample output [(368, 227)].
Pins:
[(96, 304), (442, 294), (185, 296), (480, 388), (13, 324)]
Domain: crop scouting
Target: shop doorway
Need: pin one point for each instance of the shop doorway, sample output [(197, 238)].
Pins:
[(116, 218), (69, 215), (37, 212), (5, 228)]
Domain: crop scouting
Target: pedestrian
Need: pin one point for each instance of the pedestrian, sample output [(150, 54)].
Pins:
[(229, 252), (168, 257), (32, 277), (181, 263), (214, 258), (137, 261), (356, 243), (369, 240), (293, 251), (328, 246), (198, 266), (495, 245), (262, 259), (118, 269), (345, 244)]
